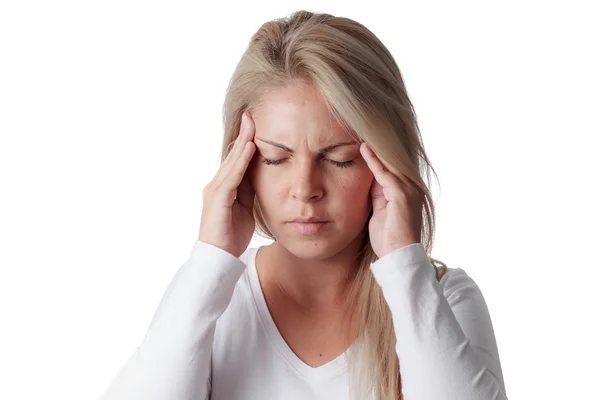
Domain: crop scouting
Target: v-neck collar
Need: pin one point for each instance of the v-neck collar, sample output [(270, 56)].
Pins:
[(323, 372)]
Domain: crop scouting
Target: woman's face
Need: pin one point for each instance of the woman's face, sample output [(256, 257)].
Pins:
[(306, 166)]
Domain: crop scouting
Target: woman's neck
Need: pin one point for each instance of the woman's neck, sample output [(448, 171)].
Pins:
[(312, 286)]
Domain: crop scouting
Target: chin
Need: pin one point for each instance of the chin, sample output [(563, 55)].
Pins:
[(314, 247)]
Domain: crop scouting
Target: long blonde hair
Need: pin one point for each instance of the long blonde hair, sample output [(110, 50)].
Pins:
[(363, 88)]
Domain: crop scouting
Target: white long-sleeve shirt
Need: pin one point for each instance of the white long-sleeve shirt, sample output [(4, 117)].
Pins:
[(212, 336)]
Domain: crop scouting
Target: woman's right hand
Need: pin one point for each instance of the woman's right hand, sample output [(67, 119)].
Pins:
[(227, 213)]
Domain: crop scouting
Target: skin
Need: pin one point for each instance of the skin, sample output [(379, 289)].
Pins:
[(309, 273), (279, 157), (305, 279)]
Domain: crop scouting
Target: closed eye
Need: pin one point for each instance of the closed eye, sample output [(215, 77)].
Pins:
[(273, 162), (341, 164)]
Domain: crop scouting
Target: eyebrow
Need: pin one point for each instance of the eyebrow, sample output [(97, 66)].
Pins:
[(322, 151)]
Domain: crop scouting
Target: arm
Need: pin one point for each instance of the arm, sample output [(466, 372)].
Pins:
[(445, 339), (173, 361)]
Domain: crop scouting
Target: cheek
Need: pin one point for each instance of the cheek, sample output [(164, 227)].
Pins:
[(263, 184), (356, 187), (356, 182), (257, 175)]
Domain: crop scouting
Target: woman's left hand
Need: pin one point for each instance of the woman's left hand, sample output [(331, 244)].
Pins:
[(397, 208)]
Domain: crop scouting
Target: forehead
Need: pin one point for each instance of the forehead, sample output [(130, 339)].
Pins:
[(294, 113)]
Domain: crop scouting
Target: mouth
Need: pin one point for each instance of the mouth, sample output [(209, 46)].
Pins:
[(308, 228)]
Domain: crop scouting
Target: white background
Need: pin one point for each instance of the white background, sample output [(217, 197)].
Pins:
[(110, 122)]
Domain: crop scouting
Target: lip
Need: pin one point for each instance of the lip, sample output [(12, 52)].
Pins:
[(306, 220), (308, 228)]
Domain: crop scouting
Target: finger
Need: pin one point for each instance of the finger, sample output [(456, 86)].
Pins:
[(238, 170), (246, 135), (378, 199), (246, 130), (381, 172), (382, 175), (390, 187)]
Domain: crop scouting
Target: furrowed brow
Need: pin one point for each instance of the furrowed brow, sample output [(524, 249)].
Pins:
[(322, 151)]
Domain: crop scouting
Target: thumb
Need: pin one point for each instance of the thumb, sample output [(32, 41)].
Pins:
[(377, 196)]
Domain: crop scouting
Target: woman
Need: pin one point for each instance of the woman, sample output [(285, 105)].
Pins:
[(322, 154)]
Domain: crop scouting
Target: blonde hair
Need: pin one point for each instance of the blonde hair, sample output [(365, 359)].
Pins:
[(363, 88)]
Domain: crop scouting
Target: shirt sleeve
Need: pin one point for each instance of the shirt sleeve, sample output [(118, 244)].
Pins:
[(445, 339), (174, 360)]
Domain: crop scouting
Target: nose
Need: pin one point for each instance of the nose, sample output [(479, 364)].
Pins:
[(306, 183)]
